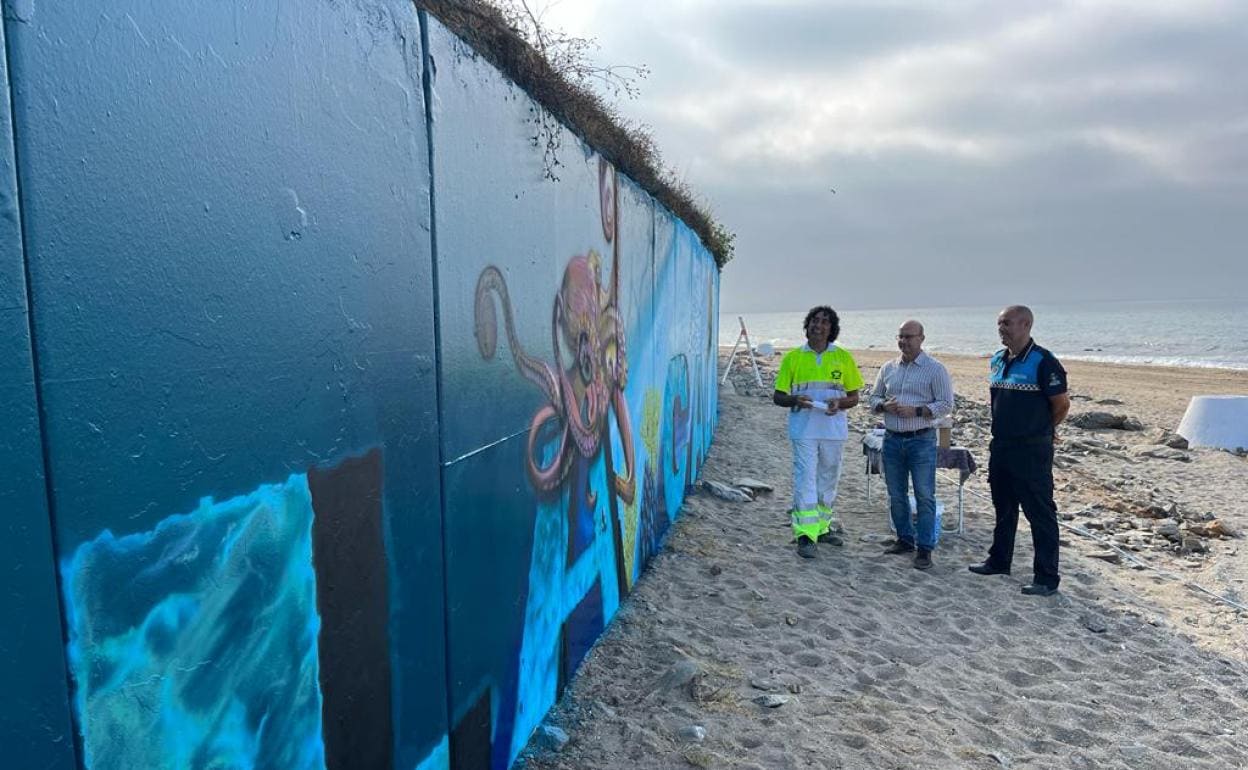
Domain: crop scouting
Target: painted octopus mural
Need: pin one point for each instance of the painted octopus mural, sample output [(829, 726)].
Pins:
[(581, 394)]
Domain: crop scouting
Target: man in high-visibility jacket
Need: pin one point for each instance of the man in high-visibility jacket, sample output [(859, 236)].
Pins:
[(817, 382)]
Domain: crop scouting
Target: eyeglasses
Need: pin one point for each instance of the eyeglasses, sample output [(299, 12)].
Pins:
[(908, 336)]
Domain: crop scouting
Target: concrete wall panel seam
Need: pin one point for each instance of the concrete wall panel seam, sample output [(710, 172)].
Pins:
[(20, 16), (428, 71)]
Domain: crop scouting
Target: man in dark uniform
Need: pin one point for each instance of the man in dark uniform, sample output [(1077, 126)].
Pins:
[(1027, 385)]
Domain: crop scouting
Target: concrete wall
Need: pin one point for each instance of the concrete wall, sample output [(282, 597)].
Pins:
[(336, 433)]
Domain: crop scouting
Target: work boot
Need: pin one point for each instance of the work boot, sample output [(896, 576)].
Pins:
[(901, 546), (806, 548), (923, 560), (831, 538)]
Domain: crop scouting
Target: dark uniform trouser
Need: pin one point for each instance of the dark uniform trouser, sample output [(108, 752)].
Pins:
[(1022, 474)]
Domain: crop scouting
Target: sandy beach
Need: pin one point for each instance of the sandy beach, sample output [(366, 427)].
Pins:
[(734, 653)]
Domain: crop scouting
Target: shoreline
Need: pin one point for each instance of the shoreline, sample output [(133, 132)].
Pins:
[(1166, 365)]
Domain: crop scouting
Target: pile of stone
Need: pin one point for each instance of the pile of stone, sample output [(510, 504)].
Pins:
[(1136, 526)]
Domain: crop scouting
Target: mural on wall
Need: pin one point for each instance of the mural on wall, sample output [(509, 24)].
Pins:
[(582, 393), (296, 616), (592, 532), (251, 632)]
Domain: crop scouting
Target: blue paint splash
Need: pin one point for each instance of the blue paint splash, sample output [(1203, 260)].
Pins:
[(194, 645)]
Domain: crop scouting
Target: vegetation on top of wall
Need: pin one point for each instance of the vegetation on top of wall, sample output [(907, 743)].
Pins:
[(629, 147)]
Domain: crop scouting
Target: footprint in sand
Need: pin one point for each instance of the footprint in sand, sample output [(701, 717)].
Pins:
[(1073, 736), (750, 741), (853, 740), (809, 659), (1021, 679), (1040, 667), (873, 724)]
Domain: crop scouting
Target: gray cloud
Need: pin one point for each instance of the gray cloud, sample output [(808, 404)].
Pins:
[(1087, 150)]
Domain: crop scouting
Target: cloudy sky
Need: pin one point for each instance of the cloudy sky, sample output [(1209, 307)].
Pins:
[(981, 152)]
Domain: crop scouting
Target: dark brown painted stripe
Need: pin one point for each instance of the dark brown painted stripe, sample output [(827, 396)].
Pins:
[(349, 554)]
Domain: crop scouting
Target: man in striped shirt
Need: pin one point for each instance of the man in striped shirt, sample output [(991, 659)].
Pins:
[(912, 391)]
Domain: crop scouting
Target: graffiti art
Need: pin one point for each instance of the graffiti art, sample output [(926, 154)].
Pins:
[(581, 393)]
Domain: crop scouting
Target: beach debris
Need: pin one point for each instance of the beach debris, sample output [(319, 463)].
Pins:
[(604, 709), (771, 700), (1101, 420), (1001, 759), (1193, 544), (766, 685), (1113, 557), (1164, 453), (679, 675), (1214, 528), (692, 733), (1170, 439), (1092, 446), (726, 492), (1167, 528), (1109, 402), (752, 484), (551, 738)]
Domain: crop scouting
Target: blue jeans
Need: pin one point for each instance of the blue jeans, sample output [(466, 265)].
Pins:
[(906, 459)]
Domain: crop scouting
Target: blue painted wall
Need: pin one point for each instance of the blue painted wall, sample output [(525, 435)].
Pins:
[(357, 428), (34, 720)]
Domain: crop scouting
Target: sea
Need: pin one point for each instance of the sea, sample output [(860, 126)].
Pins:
[(1197, 333)]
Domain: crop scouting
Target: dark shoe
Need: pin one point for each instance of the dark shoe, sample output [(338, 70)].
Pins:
[(806, 548), (923, 560), (1039, 589), (831, 538), (987, 569), (901, 546)]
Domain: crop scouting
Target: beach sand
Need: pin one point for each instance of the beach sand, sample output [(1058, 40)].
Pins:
[(734, 653)]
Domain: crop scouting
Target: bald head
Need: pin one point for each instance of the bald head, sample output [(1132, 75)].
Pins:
[(1022, 312), (910, 339), (1014, 327)]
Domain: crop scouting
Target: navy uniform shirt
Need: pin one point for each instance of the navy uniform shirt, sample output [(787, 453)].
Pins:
[(1020, 388)]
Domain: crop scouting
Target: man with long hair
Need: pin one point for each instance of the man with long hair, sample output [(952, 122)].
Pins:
[(817, 382)]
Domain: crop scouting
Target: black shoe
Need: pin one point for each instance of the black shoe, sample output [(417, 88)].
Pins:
[(1039, 589), (901, 546), (923, 560), (987, 569), (831, 538), (806, 548)]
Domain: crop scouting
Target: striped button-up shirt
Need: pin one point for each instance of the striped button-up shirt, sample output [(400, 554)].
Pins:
[(922, 382)]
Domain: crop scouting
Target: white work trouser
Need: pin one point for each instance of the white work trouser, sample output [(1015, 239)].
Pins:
[(816, 471)]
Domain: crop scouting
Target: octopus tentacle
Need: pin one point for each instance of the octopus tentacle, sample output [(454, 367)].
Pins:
[(626, 484), (551, 477), (534, 369)]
